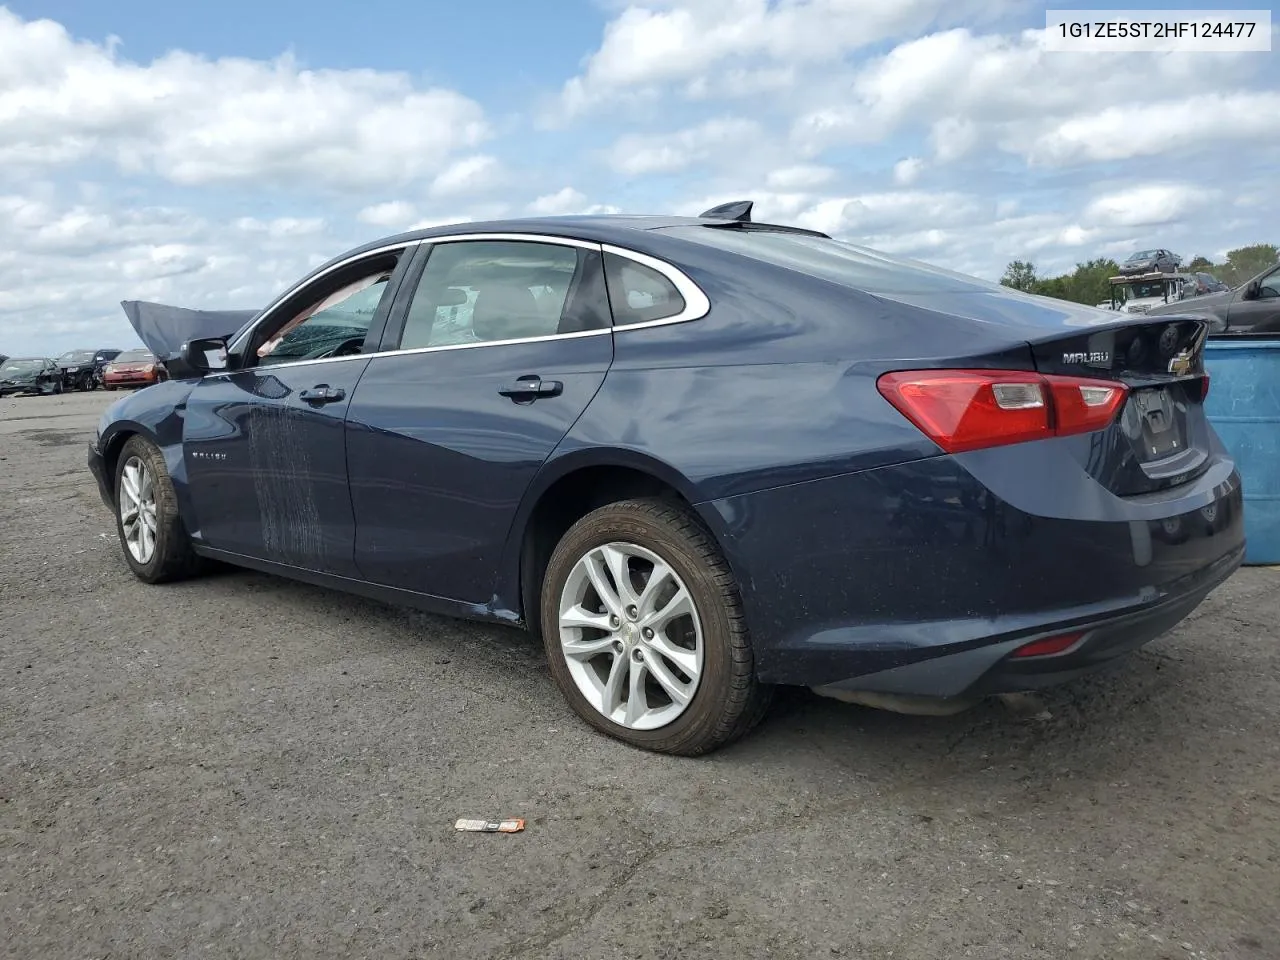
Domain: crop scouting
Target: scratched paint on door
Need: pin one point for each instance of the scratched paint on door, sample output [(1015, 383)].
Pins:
[(291, 531)]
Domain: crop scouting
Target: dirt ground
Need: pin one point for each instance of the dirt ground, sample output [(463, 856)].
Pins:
[(245, 767)]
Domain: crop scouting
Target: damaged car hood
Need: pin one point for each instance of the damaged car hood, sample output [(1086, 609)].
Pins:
[(163, 329)]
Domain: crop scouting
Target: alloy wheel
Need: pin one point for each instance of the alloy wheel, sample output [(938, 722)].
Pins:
[(631, 636), (138, 509)]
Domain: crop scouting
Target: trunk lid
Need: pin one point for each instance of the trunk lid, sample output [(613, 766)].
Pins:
[(1161, 437)]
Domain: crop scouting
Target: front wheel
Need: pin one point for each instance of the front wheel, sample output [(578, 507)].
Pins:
[(156, 546), (644, 630)]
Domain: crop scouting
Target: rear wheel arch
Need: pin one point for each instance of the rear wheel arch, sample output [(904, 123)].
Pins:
[(571, 495)]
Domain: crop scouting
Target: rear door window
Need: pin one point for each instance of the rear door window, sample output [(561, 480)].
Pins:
[(488, 291)]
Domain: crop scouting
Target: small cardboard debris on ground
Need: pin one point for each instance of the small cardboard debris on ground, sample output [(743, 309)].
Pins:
[(490, 826)]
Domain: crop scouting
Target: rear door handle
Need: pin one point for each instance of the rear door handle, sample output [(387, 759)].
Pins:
[(530, 388), (323, 393)]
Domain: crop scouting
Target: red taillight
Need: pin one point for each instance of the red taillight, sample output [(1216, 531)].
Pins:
[(1082, 406), (972, 409), (1204, 387), (1048, 646)]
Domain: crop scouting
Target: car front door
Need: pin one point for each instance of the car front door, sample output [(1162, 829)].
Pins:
[(1262, 313), (263, 441), (501, 348)]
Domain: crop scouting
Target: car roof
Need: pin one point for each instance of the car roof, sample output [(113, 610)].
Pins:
[(619, 229)]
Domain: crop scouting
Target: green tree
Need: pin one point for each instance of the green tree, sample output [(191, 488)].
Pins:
[(1245, 262), (1021, 275), (1088, 284), (1198, 263)]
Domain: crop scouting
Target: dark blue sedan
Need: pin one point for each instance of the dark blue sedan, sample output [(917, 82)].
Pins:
[(700, 457)]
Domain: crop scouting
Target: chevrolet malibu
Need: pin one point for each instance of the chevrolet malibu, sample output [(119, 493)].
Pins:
[(698, 457)]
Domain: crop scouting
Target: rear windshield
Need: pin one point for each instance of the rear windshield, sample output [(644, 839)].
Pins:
[(845, 263)]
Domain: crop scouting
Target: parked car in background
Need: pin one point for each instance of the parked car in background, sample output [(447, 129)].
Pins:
[(1252, 307), (132, 368), (1145, 261), (1199, 285), (82, 369), (685, 452), (29, 375)]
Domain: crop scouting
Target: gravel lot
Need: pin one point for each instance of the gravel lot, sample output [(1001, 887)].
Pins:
[(242, 766)]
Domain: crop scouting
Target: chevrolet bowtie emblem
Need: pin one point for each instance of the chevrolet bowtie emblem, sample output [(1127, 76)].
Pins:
[(1181, 363)]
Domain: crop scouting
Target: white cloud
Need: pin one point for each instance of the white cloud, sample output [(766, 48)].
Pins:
[(975, 90), (875, 213), (698, 42), (568, 202), (199, 121), (801, 177), (1148, 205), (561, 202), (1153, 129), (468, 175), (79, 261), (282, 226), (639, 154), (392, 213), (907, 171)]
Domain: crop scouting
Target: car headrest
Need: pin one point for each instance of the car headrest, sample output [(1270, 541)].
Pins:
[(505, 312)]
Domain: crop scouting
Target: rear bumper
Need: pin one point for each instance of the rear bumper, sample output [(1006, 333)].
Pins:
[(129, 379), (992, 666), (916, 580)]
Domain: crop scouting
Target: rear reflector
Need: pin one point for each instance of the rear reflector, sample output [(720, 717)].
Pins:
[(1048, 646), (973, 409)]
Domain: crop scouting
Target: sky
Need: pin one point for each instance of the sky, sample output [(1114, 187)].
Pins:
[(209, 155)]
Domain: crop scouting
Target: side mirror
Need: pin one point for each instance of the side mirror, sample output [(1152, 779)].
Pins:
[(205, 356), (1252, 290)]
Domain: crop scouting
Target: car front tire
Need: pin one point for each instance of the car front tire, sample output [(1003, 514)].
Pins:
[(155, 544), (644, 630)]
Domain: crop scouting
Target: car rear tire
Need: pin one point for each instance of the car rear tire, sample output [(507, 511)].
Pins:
[(670, 668), (155, 544)]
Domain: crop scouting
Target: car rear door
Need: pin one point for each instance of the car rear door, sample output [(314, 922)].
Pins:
[(504, 343)]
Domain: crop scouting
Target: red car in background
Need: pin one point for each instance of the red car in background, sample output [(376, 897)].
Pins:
[(133, 368)]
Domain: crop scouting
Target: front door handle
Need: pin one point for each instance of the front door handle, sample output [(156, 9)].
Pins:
[(323, 393), (532, 387)]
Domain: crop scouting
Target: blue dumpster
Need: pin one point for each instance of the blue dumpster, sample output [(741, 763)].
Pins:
[(1244, 407)]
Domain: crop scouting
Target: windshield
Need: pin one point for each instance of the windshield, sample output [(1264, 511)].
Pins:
[(77, 356), (1145, 290), (1144, 255), (134, 356), (21, 366)]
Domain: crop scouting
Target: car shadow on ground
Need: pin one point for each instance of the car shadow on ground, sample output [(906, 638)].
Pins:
[(1101, 728)]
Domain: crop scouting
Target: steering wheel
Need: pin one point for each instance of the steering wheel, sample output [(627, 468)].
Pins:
[(349, 348)]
